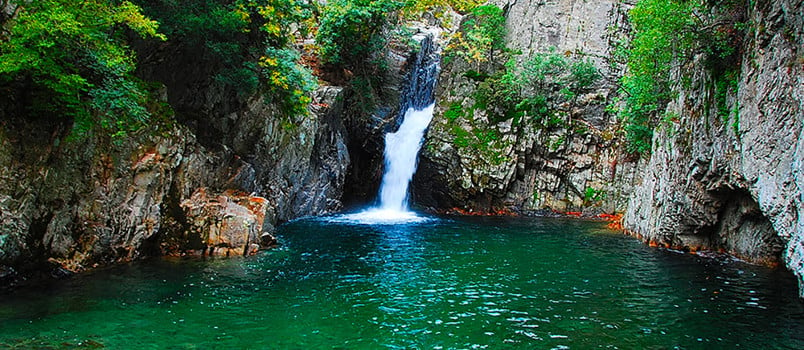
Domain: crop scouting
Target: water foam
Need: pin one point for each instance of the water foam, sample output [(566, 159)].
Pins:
[(401, 153), (379, 216)]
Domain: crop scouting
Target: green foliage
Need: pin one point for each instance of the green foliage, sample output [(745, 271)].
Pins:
[(353, 37), (528, 90), (554, 145), (77, 60), (246, 43), (463, 138), (486, 141), (592, 196), (437, 7), (523, 93), (476, 76), (482, 35), (351, 31), (661, 38), (214, 34), (583, 75), (288, 82), (666, 35), (725, 85), (454, 112), (364, 90)]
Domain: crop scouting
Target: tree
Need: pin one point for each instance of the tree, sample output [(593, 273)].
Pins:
[(482, 35), (75, 56), (246, 44)]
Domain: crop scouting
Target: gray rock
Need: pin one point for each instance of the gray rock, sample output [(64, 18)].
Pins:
[(735, 184), (532, 167)]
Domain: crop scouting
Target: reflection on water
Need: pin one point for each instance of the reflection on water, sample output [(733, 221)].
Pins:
[(448, 283)]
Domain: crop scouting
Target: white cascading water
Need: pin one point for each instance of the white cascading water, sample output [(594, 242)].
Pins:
[(401, 151), (402, 147)]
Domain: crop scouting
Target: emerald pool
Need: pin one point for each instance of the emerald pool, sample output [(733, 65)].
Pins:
[(449, 282)]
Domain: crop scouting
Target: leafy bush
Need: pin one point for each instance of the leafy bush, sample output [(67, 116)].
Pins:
[(666, 35), (287, 79), (433, 6), (592, 196), (247, 44), (76, 57), (351, 31), (482, 35), (529, 89)]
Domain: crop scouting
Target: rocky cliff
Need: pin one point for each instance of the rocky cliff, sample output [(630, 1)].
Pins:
[(716, 180), (734, 182), (565, 155), (371, 113), (70, 204)]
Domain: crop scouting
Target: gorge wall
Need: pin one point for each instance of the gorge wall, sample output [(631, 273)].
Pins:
[(734, 182), (220, 172), (68, 205), (212, 175)]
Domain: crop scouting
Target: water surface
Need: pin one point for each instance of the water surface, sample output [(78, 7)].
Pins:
[(492, 283)]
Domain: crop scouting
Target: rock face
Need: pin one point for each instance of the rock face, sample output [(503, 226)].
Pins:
[(298, 163), (735, 183), (572, 162), (213, 179), (75, 204), (230, 221)]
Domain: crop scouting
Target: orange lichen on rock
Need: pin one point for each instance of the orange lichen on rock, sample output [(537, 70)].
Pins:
[(615, 221), (150, 156), (229, 223)]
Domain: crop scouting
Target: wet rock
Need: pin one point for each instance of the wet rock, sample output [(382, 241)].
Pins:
[(369, 114), (89, 201)]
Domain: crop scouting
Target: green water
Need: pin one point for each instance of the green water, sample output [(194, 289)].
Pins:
[(451, 283)]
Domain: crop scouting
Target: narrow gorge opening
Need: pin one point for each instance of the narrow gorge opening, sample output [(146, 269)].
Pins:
[(402, 147)]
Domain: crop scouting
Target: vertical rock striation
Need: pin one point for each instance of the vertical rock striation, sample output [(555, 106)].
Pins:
[(213, 179), (68, 205), (370, 114), (734, 183)]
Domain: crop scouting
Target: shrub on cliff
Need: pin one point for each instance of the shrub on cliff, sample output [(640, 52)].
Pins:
[(666, 35), (351, 32), (75, 59), (245, 43), (482, 36)]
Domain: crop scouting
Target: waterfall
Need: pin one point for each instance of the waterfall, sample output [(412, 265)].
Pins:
[(401, 150), (402, 146), (416, 110)]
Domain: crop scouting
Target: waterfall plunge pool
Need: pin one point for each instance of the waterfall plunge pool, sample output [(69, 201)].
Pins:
[(497, 283)]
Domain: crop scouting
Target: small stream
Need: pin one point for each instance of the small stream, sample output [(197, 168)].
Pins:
[(444, 283)]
